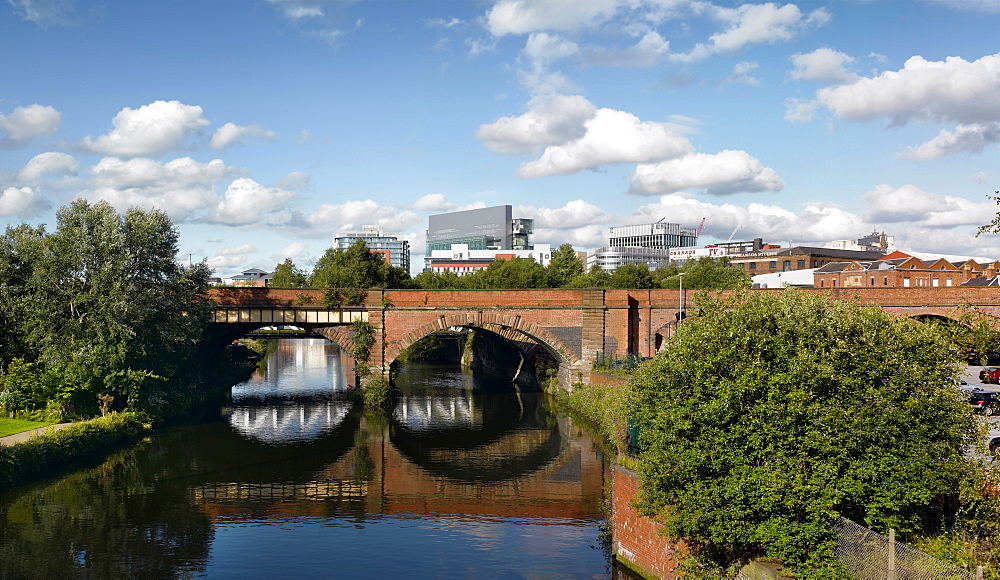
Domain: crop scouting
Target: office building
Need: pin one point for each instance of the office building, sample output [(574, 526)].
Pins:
[(648, 244), (461, 260), (488, 228), (395, 251)]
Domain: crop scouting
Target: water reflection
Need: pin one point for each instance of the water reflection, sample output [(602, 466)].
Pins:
[(300, 483)]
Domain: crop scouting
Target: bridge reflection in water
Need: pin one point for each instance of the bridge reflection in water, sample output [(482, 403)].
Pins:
[(455, 445)]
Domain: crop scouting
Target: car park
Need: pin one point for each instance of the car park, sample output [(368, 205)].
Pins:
[(990, 375), (986, 402)]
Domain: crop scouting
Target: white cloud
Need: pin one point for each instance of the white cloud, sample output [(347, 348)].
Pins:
[(433, 202), (45, 12), (575, 214), (183, 187), (232, 134), (966, 139), (912, 206), (23, 201), (247, 202), (225, 262), (648, 51), (294, 180), (524, 16), (797, 111), (742, 74), (721, 174), (25, 123), (823, 64), (752, 24), (351, 215), (611, 137), (954, 90), (150, 130), (299, 9), (49, 163), (238, 250), (549, 121), (546, 48), (293, 250)]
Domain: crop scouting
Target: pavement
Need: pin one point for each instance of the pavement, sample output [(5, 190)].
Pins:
[(25, 435)]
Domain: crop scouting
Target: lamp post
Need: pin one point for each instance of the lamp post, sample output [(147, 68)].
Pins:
[(680, 299)]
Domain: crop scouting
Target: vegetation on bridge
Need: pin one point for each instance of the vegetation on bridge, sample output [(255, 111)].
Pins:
[(98, 307), (770, 415)]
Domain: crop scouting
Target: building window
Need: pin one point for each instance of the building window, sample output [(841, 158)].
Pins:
[(786, 266), (774, 264), (801, 264), (873, 281), (753, 265), (885, 280), (822, 282)]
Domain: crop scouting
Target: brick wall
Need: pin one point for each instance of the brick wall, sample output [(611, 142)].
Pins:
[(637, 542)]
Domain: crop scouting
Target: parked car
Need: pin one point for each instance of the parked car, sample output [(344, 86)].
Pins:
[(990, 375), (987, 402), (994, 445), (992, 358)]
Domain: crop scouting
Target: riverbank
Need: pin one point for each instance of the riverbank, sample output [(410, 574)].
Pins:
[(56, 450)]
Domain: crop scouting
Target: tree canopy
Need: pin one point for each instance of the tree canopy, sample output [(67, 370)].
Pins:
[(100, 306), (356, 267), (769, 415), (286, 275)]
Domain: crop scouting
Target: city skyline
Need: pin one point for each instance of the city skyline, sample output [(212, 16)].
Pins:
[(265, 128)]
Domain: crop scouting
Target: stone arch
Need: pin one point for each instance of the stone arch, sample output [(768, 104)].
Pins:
[(492, 321), (222, 333)]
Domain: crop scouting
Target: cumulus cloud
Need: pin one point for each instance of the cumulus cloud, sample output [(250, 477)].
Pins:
[(575, 214), (238, 250), (797, 111), (949, 91), (549, 121), (150, 130), (26, 123), (434, 202), (351, 215), (247, 202), (232, 134), (743, 74), (911, 205), (611, 137), (753, 24), (966, 139), (183, 187), (49, 163), (823, 64), (544, 48), (721, 174), (524, 16), (22, 201), (293, 250)]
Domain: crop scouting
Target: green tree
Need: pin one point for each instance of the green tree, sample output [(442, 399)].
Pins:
[(564, 266), (509, 274), (595, 278), (994, 226), (430, 280), (631, 276), (705, 273), (286, 275), (355, 267), (104, 307), (769, 415)]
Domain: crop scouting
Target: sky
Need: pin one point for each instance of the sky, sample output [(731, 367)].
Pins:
[(265, 127)]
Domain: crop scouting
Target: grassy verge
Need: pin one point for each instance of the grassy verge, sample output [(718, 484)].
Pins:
[(49, 453), (604, 407), (15, 426)]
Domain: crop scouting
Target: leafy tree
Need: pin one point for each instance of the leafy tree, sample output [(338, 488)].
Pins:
[(355, 267), (769, 415), (103, 306), (286, 275), (705, 273), (511, 274), (595, 278), (631, 276), (564, 266), (430, 280), (994, 226)]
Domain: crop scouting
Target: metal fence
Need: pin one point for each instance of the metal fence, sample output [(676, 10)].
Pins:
[(870, 555), (626, 362)]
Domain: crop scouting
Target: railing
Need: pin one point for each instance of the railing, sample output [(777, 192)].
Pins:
[(625, 362), (868, 554)]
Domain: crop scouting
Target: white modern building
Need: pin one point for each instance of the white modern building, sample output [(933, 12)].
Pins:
[(461, 260)]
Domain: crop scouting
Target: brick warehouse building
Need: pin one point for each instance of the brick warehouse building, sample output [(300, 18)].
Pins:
[(771, 260), (903, 272)]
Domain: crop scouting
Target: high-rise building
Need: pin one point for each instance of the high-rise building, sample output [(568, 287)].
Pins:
[(488, 228), (648, 244), (395, 251)]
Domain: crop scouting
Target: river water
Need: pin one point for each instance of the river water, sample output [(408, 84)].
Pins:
[(467, 478)]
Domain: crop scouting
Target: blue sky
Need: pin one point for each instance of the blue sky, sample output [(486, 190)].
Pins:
[(264, 127)]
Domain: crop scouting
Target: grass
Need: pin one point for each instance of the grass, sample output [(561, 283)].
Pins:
[(14, 426)]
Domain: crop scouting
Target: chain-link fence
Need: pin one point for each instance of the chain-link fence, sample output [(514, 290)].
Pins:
[(865, 554)]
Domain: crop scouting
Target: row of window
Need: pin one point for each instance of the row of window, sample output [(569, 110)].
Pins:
[(786, 265), (933, 282)]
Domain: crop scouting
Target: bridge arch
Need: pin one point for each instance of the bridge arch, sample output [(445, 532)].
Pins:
[(221, 334), (496, 322)]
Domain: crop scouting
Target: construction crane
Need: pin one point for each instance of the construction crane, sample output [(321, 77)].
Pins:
[(701, 226)]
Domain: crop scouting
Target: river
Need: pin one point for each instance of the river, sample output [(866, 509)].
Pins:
[(467, 478)]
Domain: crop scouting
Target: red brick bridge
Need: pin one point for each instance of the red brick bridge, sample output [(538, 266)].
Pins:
[(572, 325)]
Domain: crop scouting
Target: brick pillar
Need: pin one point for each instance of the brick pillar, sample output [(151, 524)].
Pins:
[(593, 324), (376, 317)]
